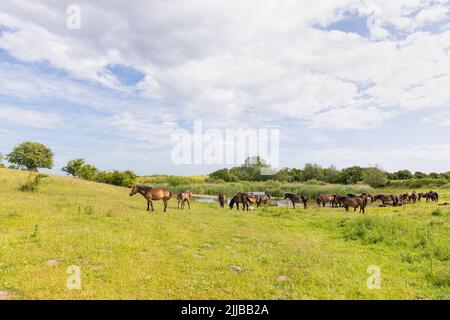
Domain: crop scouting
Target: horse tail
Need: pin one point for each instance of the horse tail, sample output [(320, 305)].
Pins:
[(170, 195)]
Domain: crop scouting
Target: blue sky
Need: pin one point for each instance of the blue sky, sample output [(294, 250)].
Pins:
[(346, 82)]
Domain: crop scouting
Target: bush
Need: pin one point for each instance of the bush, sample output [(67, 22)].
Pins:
[(418, 183), (32, 184)]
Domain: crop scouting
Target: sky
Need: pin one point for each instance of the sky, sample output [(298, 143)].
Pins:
[(344, 82)]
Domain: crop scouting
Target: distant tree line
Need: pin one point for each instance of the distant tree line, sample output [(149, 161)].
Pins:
[(373, 176), (32, 156), (78, 168)]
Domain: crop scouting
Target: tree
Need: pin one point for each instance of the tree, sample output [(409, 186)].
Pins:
[(73, 167), (375, 177), (403, 175), (31, 156), (331, 175), (88, 172), (312, 171), (434, 175), (420, 175), (1, 161), (351, 175)]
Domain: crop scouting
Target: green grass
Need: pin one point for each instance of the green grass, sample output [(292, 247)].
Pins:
[(125, 252)]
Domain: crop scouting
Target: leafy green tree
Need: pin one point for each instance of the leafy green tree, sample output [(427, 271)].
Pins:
[(1, 161), (351, 175), (420, 175), (434, 175), (31, 156), (331, 175), (403, 175), (88, 172), (73, 167), (312, 172), (375, 177)]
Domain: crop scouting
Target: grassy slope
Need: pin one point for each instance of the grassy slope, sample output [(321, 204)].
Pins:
[(125, 252)]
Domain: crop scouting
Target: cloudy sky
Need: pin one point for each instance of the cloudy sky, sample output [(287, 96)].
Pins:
[(346, 82)]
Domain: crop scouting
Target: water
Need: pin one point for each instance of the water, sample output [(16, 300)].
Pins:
[(271, 202)]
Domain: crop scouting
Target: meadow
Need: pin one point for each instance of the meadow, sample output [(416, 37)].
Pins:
[(125, 252)]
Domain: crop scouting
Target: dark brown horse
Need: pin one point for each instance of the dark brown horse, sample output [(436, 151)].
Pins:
[(184, 197), (296, 199), (222, 200), (151, 194), (391, 199), (243, 198), (432, 196), (354, 202)]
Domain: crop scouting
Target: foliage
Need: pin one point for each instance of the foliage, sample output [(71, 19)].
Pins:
[(73, 167), (375, 177), (31, 156), (32, 183)]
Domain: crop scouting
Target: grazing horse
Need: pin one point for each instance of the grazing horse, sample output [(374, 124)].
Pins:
[(151, 194), (432, 196), (386, 198), (244, 198), (325, 198), (296, 199), (184, 197), (263, 199), (222, 200), (354, 202)]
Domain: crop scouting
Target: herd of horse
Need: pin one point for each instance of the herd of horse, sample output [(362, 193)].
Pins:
[(250, 199)]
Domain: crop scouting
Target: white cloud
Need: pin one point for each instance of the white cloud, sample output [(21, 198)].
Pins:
[(30, 118)]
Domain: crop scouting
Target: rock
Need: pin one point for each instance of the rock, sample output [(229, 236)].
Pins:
[(52, 262), (283, 278), (236, 269), (4, 295)]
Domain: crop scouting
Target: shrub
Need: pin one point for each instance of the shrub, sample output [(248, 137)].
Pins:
[(32, 183)]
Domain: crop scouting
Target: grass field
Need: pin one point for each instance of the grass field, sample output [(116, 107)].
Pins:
[(124, 252)]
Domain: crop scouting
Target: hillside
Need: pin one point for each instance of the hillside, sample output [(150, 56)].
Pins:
[(125, 252)]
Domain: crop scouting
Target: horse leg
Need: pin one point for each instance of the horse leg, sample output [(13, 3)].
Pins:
[(148, 205), (179, 204), (151, 204), (165, 204), (189, 204), (293, 203)]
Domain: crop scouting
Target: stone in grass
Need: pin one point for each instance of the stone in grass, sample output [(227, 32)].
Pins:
[(283, 278), (52, 263), (236, 269), (4, 295)]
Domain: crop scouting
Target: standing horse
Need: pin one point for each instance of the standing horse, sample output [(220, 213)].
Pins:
[(296, 199), (184, 197), (354, 202), (244, 198), (387, 199), (262, 199), (151, 194), (325, 198), (222, 200)]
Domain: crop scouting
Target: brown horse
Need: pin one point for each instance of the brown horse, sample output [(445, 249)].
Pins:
[(354, 202), (222, 200), (184, 197), (263, 199), (151, 194), (296, 199), (324, 198), (245, 199), (387, 199)]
